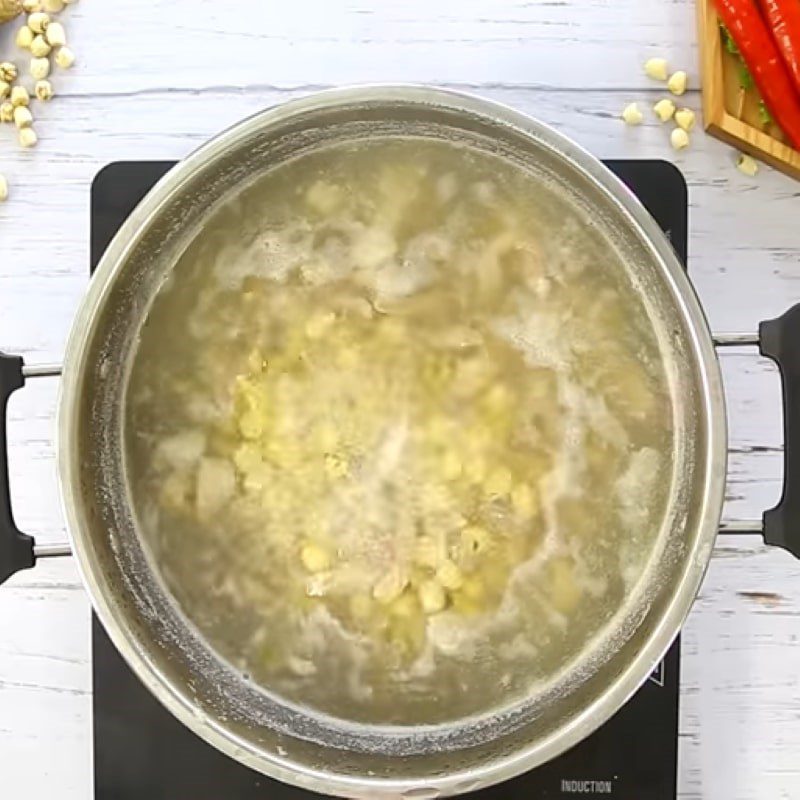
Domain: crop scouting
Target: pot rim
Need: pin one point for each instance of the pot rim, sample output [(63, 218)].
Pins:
[(710, 389)]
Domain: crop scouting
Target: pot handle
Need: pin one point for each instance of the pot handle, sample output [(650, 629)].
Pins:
[(779, 340), (17, 550)]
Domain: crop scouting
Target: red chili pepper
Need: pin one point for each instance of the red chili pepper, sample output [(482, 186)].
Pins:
[(756, 46), (784, 19)]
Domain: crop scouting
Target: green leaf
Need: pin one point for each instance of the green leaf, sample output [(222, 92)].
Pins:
[(745, 78), (730, 45), (763, 113)]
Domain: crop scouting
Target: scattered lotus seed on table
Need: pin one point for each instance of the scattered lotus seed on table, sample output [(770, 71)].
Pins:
[(747, 164), (23, 117), (679, 139), (45, 39), (632, 115), (28, 137), (65, 58), (39, 47), (38, 22), (56, 35), (678, 82), (685, 119), (20, 96), (24, 37), (43, 90), (656, 68), (664, 109), (3, 188), (40, 68), (8, 72)]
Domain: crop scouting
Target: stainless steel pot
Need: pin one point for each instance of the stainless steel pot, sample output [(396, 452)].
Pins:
[(166, 652)]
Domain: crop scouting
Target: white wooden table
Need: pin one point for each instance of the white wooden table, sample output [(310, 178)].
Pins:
[(155, 79)]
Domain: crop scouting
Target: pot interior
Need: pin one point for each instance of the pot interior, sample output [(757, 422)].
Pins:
[(209, 694)]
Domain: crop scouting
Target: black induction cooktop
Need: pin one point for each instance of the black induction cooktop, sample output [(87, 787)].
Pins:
[(141, 752)]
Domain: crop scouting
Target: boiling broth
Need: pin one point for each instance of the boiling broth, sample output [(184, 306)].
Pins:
[(398, 431)]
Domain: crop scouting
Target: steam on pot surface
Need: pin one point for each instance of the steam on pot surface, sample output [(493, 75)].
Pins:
[(398, 431)]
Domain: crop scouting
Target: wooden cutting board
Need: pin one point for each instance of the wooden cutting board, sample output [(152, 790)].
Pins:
[(729, 112)]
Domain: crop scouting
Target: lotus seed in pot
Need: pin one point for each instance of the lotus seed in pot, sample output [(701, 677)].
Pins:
[(398, 431)]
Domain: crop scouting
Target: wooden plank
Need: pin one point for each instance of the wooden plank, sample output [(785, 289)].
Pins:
[(559, 44)]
